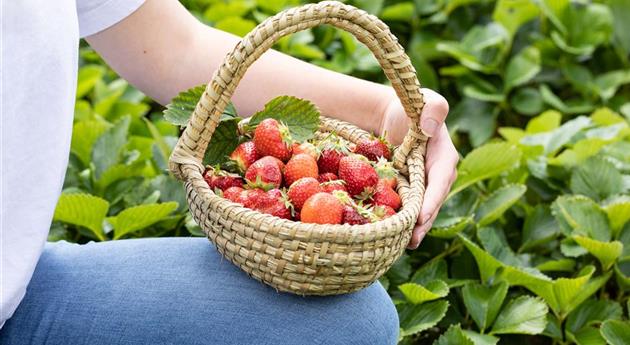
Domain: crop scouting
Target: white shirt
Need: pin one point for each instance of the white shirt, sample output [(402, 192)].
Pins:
[(40, 40)]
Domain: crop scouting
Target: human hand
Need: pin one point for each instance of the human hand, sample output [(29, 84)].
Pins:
[(441, 157)]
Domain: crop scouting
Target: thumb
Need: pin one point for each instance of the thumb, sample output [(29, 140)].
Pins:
[(434, 112)]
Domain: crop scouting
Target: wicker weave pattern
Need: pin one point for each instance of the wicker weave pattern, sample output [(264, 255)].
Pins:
[(291, 256)]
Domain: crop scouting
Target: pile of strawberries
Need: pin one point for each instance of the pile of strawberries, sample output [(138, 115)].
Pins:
[(329, 181)]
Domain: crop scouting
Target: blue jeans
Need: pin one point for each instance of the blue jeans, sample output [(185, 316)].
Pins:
[(180, 291)]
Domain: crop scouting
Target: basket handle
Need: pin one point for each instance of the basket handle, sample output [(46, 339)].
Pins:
[(368, 29)]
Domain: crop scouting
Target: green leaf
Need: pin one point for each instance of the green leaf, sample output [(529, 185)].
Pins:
[(523, 315), (522, 67), (587, 336), (616, 332), (619, 8), (481, 49), (480, 339), (618, 211), (106, 95), (540, 227), (485, 162), (432, 270), (484, 302), (449, 227), (582, 216), (596, 17), (606, 252), (561, 265), (236, 25), (545, 122), (554, 140), (224, 140), (591, 312), (512, 14), (220, 10), (527, 100), (403, 11), (87, 77), (108, 147), (596, 178), (300, 115), (608, 83), (415, 318), (84, 135), (139, 217), (180, 109), (417, 294), (498, 202), (454, 336), (83, 210)]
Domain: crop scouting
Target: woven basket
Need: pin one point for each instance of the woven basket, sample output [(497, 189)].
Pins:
[(306, 259)]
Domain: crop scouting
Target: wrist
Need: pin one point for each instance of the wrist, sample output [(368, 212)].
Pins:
[(387, 101)]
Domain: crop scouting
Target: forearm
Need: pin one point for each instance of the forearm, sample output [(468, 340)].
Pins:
[(181, 53)]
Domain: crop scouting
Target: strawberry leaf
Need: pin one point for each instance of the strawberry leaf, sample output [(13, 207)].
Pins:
[(300, 115), (224, 140), (180, 109)]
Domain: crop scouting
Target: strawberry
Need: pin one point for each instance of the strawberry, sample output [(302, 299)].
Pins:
[(328, 161), (265, 172), (307, 148), (332, 148), (322, 208), (232, 193), (386, 196), (383, 211), (273, 139), (301, 190), (300, 165), (218, 179), (352, 216), (244, 155), (275, 203), (374, 148), (251, 198), (358, 174), (325, 177), (386, 172), (333, 185)]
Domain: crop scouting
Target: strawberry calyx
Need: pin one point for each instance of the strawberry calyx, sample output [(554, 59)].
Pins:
[(259, 184)]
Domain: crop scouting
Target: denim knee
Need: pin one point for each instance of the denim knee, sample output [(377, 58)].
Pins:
[(374, 319)]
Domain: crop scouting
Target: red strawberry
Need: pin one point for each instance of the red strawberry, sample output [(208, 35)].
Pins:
[(275, 203), (221, 180), (352, 216), (273, 139), (332, 186), (332, 148), (307, 148), (232, 193), (322, 208), (374, 148), (325, 177), (383, 211), (301, 190), (386, 172), (328, 161), (244, 155), (251, 198), (385, 195), (358, 174), (265, 171), (300, 165)]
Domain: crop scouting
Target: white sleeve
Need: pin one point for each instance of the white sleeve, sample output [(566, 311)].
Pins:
[(98, 15)]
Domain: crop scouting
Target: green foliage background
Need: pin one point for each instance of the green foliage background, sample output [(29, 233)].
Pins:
[(533, 244)]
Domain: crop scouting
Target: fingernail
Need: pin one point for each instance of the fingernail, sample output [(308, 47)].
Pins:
[(429, 127)]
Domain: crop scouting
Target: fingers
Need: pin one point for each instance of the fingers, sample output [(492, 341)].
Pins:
[(441, 164), (434, 112)]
